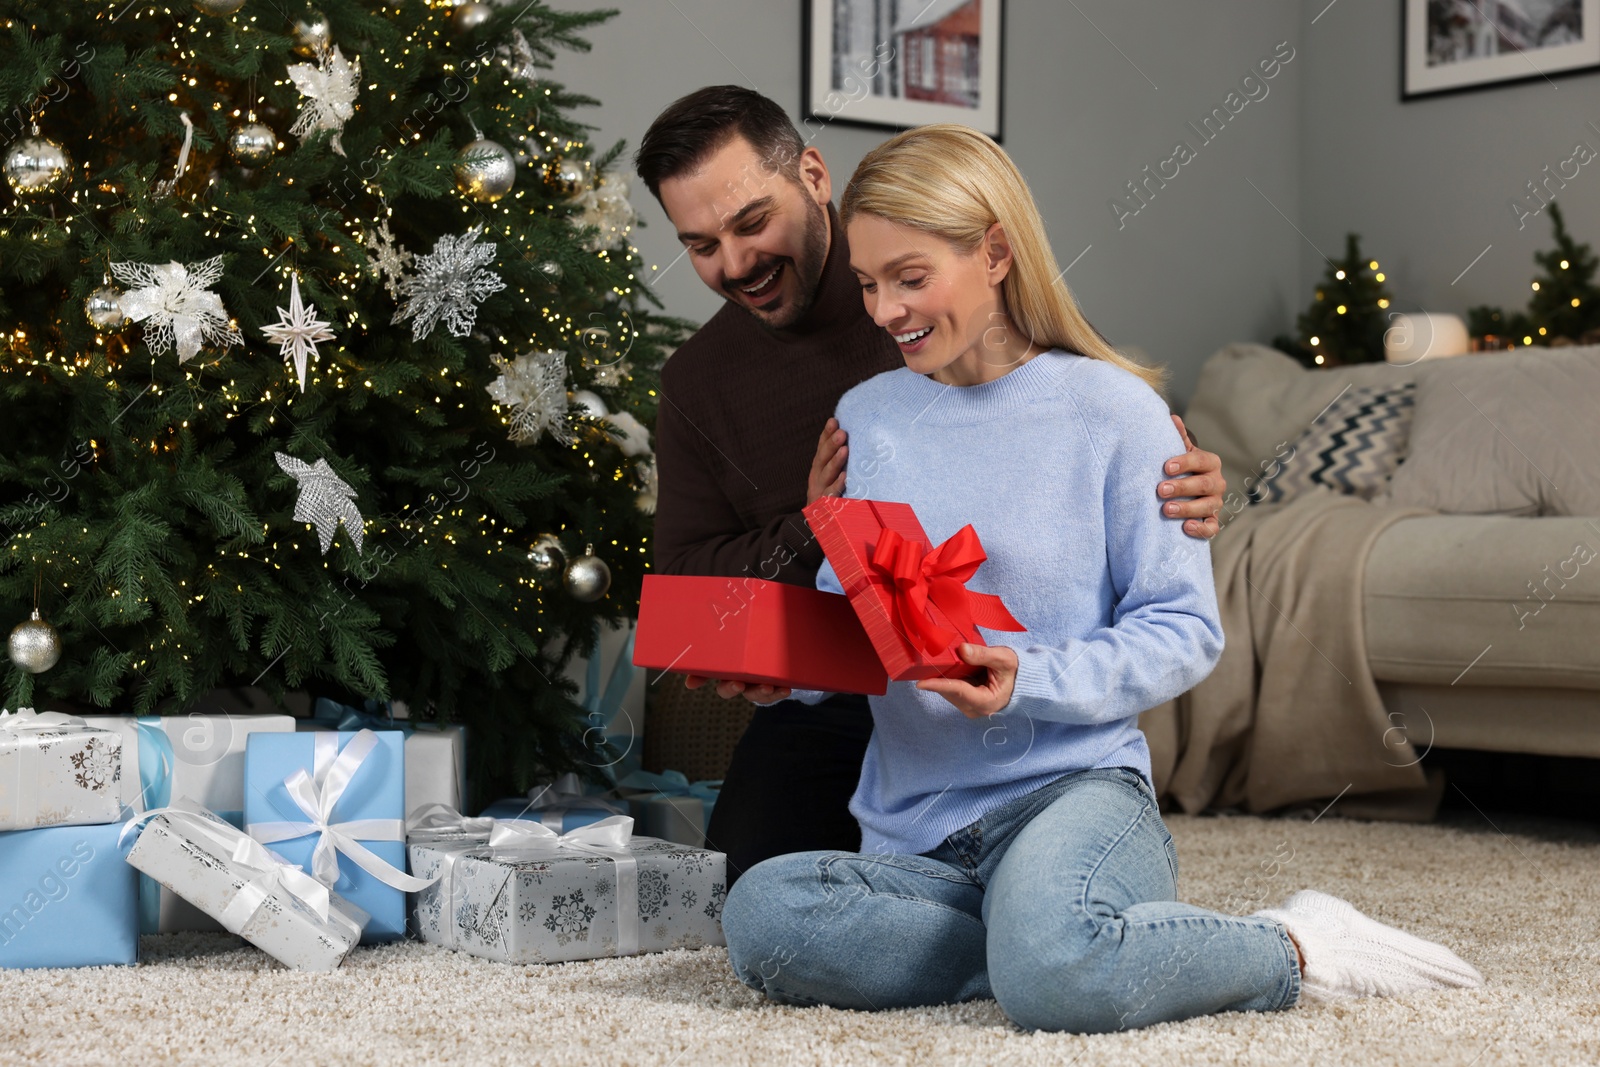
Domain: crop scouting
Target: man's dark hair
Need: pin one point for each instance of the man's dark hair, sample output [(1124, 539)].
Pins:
[(693, 127)]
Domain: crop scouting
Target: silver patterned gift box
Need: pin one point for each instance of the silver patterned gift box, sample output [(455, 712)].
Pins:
[(539, 897), (57, 771), (246, 887)]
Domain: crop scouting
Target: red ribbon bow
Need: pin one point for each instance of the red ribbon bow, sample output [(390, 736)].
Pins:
[(919, 579)]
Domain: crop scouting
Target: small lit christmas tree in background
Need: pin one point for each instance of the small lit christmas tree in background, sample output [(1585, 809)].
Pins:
[(1565, 306), (1493, 328), (1346, 320), (291, 302)]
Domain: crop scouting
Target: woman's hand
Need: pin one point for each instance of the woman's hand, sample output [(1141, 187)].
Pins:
[(979, 701), (827, 466), (727, 690), (1197, 498)]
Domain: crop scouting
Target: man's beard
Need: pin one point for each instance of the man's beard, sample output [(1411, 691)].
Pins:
[(807, 269)]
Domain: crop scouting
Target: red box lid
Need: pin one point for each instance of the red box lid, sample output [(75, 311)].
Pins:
[(755, 630)]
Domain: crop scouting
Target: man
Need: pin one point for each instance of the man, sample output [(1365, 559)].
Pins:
[(738, 449)]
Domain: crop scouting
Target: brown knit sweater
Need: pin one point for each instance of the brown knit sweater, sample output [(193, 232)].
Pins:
[(741, 409)]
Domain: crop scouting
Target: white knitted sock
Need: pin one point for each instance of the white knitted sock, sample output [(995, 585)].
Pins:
[(1348, 954)]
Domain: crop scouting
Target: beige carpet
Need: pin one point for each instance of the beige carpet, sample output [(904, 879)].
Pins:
[(1523, 905)]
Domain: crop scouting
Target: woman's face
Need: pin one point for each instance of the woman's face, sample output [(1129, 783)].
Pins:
[(943, 307)]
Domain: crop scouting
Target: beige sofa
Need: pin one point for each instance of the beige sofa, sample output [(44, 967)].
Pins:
[(1482, 630)]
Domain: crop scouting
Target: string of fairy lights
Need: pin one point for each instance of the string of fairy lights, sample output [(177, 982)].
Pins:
[(433, 388)]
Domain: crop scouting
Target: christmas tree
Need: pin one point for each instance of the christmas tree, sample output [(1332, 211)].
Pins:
[(1495, 328), (291, 302), (1345, 322), (1565, 305)]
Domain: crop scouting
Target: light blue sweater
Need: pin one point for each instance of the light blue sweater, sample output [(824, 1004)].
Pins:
[(1055, 464)]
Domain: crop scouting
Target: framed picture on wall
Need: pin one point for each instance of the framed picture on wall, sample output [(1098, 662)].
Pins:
[(895, 64), (1456, 45)]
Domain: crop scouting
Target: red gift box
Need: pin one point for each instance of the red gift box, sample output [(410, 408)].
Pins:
[(754, 630), (911, 598)]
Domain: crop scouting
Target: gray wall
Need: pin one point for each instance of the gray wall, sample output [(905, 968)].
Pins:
[(1095, 90), (1427, 183)]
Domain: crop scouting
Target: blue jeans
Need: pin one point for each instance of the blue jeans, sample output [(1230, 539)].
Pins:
[(1061, 905)]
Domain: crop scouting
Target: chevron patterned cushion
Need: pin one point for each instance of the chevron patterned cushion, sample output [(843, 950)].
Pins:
[(1353, 447)]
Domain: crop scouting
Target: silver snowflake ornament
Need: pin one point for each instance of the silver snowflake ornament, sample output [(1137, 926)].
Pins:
[(325, 500), (298, 331), (612, 375), (389, 260), (176, 305), (534, 386), (450, 283), (329, 88)]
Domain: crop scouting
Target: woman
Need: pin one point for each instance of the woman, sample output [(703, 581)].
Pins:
[(1012, 846)]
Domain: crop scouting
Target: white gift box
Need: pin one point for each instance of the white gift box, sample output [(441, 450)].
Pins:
[(436, 760), (199, 756), (247, 888), (436, 766), (545, 903), (57, 770)]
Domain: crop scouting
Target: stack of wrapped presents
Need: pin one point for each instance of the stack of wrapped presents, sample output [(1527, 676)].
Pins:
[(293, 834)]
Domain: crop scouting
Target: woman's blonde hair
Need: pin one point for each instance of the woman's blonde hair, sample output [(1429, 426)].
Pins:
[(954, 183)]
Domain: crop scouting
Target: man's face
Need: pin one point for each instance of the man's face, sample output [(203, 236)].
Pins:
[(754, 234)]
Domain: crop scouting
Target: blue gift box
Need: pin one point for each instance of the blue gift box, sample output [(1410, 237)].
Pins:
[(436, 754), (669, 806), (68, 897), (559, 819), (279, 768), (564, 804)]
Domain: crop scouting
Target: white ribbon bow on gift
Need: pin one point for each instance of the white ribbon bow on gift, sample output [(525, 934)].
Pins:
[(318, 798), (266, 872), (436, 821), (522, 839), (26, 720), (607, 837), (23, 721)]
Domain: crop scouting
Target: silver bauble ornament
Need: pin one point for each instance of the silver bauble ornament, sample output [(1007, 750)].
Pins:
[(103, 309), (312, 35), (587, 578), (488, 178), (252, 143), (470, 16), (550, 269), (34, 646), (217, 7), (573, 176), (36, 167), (591, 404), (547, 557)]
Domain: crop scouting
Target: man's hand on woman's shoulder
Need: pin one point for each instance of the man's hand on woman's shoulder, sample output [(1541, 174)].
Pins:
[(1198, 498)]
